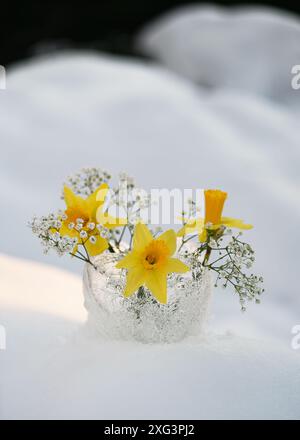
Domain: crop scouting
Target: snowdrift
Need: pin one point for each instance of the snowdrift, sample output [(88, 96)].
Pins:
[(56, 367)]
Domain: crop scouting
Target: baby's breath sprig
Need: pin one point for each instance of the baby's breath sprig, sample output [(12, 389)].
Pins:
[(129, 200), (186, 217), (86, 181), (46, 229), (73, 231), (234, 259), (231, 264), (125, 197)]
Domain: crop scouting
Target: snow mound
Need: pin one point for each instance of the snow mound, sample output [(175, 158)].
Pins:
[(248, 48), (56, 367)]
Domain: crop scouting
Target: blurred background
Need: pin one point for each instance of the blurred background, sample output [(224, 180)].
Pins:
[(177, 94), (111, 26)]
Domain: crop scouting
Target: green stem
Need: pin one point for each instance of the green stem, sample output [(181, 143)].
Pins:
[(86, 260), (221, 258), (121, 236), (185, 241), (79, 258), (207, 255)]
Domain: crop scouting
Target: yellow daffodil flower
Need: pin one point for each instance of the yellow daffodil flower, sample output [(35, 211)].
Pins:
[(214, 203), (150, 261), (82, 216)]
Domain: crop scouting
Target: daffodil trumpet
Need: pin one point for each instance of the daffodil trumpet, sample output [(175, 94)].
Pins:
[(213, 224)]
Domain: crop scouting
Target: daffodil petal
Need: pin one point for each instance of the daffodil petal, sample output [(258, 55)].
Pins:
[(96, 248), (64, 230), (190, 227), (169, 237), (235, 223), (70, 198), (175, 265), (156, 281), (93, 203), (203, 235), (142, 237), (111, 222), (199, 223), (129, 261), (68, 195), (181, 232), (135, 279)]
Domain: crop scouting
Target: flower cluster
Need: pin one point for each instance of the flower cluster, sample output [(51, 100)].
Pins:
[(129, 201), (86, 228), (86, 181), (46, 229), (232, 262)]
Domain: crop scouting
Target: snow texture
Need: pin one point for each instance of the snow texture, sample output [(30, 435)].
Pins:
[(245, 48), (55, 367)]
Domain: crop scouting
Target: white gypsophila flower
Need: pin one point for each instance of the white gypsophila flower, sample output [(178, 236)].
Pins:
[(234, 259), (86, 181), (56, 236), (71, 225), (122, 176), (83, 234), (42, 228), (104, 233), (93, 239), (91, 226), (125, 178)]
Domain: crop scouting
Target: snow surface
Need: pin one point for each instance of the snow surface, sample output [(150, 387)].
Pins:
[(55, 367), (62, 112), (247, 48)]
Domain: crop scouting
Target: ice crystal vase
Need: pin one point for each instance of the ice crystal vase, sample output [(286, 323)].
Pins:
[(141, 317)]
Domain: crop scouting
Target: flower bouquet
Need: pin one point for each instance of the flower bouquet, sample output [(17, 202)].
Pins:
[(142, 283)]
